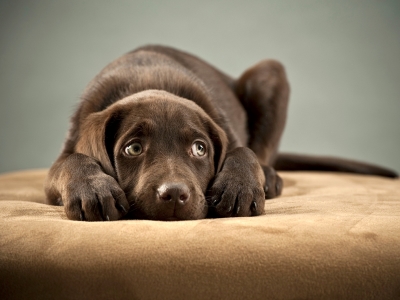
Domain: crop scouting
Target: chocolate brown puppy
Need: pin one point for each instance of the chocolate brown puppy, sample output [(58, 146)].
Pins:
[(160, 134)]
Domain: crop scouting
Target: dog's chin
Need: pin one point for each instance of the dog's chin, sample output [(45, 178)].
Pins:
[(156, 213), (172, 219), (175, 218), (165, 217), (196, 214)]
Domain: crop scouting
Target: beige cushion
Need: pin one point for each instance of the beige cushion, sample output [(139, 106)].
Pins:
[(329, 236)]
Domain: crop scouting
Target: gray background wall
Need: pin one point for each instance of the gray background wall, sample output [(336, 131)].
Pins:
[(342, 59)]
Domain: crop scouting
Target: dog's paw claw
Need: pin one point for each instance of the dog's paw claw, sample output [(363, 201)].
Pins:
[(253, 207), (121, 207)]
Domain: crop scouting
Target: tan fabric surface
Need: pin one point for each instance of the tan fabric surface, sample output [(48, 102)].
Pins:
[(329, 236)]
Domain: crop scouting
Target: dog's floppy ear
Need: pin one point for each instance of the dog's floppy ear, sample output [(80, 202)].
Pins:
[(220, 142), (97, 138)]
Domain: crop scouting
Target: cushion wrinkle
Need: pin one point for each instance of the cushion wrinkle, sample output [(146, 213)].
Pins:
[(328, 236)]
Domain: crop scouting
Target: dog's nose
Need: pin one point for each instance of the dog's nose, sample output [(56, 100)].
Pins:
[(178, 192)]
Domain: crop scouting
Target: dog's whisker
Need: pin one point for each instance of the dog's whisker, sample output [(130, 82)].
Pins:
[(132, 206)]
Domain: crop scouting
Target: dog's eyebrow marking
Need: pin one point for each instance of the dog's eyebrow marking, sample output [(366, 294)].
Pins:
[(192, 132), (142, 129)]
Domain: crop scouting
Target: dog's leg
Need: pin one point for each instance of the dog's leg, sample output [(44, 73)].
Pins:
[(87, 193), (264, 93)]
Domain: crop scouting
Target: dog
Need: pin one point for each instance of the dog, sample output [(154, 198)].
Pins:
[(162, 135)]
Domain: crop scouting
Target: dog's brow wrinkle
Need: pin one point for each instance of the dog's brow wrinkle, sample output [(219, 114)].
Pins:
[(143, 128)]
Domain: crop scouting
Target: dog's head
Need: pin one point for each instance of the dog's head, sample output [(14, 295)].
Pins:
[(162, 149)]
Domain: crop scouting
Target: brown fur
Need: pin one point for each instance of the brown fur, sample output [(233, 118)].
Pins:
[(168, 103)]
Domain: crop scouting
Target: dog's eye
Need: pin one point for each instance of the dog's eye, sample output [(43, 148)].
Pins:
[(198, 149), (134, 149)]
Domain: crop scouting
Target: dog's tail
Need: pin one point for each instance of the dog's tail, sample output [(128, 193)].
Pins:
[(298, 162)]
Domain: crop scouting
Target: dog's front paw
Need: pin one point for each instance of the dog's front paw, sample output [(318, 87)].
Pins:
[(273, 183), (238, 190), (94, 197)]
